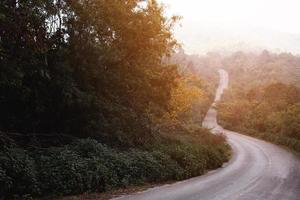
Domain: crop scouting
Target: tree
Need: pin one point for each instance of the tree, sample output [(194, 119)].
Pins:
[(85, 68)]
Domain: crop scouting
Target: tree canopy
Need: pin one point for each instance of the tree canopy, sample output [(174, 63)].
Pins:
[(84, 67)]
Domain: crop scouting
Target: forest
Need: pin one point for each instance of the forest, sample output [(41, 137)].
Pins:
[(263, 99), (91, 100)]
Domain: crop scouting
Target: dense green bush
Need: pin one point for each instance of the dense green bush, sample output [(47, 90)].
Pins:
[(170, 169), (193, 162), (273, 114), (63, 171), (17, 172), (87, 165)]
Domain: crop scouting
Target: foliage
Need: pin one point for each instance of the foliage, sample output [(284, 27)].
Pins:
[(85, 68), (18, 173), (184, 96), (96, 69), (272, 114), (87, 165), (251, 70)]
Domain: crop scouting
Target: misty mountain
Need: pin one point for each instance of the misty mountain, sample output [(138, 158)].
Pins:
[(224, 40)]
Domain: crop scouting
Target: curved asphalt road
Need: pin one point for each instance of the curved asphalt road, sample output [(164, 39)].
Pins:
[(257, 171)]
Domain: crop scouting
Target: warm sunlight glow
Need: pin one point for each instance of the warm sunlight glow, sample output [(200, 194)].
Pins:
[(115, 98)]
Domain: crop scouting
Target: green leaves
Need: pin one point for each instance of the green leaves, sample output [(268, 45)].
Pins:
[(272, 114), (90, 68), (18, 173), (85, 68), (89, 166)]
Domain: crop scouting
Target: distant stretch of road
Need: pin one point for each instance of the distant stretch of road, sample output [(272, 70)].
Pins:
[(257, 171)]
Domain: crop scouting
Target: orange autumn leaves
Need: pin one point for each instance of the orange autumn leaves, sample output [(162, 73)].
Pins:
[(184, 96)]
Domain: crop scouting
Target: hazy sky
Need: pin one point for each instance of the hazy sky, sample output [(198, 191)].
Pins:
[(281, 16)]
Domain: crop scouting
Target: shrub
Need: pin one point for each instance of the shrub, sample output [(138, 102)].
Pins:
[(170, 169), (18, 175), (88, 166)]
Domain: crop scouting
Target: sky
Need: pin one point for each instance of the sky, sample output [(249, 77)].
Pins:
[(252, 22)]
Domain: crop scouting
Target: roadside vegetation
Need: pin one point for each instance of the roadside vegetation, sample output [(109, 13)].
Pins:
[(87, 165), (89, 101), (264, 97)]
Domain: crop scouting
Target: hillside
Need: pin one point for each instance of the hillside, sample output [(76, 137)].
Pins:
[(263, 68), (88, 104), (263, 99)]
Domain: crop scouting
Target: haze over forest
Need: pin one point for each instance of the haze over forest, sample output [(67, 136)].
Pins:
[(249, 40), (234, 25), (101, 98)]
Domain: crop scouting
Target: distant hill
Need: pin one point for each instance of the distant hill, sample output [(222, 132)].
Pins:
[(247, 69), (264, 68), (207, 39)]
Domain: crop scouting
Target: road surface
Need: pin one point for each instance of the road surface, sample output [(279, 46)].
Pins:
[(257, 171)]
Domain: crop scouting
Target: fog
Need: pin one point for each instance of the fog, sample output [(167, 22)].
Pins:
[(226, 26)]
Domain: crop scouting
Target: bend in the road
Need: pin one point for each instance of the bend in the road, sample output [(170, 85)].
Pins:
[(257, 171)]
